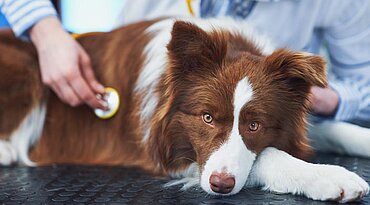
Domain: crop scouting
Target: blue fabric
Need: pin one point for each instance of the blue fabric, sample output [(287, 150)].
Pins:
[(3, 22), (210, 8), (305, 25), (23, 14), (240, 8)]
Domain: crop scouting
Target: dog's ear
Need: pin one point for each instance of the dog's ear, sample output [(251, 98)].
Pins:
[(293, 74), (297, 67), (193, 49), (170, 145)]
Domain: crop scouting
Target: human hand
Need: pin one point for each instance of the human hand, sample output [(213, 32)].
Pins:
[(65, 66), (323, 101)]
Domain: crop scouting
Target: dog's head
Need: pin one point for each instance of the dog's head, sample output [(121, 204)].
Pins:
[(224, 102)]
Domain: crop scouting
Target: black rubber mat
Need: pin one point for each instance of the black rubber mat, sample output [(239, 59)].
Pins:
[(117, 185)]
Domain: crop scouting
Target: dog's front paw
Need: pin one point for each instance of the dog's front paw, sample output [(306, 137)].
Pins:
[(335, 183), (8, 155)]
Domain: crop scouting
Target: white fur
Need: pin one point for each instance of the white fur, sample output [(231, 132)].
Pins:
[(28, 133), (233, 157), (188, 177), (8, 154), (154, 66), (340, 137), (278, 171), (156, 58)]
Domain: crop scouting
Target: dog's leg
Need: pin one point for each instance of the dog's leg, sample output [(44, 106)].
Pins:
[(340, 137), (8, 154), (278, 171)]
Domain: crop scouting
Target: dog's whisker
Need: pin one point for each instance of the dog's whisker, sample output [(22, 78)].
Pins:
[(181, 158)]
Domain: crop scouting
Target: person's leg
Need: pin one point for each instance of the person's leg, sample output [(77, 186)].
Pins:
[(340, 137)]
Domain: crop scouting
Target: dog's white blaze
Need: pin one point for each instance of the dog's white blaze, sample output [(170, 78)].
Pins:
[(28, 133), (233, 156)]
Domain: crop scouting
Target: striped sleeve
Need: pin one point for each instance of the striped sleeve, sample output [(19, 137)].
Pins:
[(354, 94), (23, 14), (348, 42)]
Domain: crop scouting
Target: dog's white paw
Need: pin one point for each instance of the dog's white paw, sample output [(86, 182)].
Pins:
[(335, 183), (8, 154)]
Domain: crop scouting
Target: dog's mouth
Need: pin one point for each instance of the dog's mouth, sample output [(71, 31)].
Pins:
[(227, 181)]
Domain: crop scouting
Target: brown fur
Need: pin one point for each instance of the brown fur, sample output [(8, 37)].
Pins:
[(19, 84), (203, 71)]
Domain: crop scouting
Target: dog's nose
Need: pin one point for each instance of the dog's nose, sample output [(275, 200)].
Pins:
[(222, 182)]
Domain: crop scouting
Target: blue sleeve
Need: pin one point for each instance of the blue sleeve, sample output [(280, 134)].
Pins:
[(23, 14), (347, 34)]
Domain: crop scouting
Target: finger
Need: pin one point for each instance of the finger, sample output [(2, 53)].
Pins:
[(88, 73), (67, 94), (82, 89)]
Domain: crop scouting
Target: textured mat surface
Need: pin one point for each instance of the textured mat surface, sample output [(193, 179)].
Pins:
[(117, 185)]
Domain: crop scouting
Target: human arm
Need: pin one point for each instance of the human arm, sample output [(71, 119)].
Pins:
[(23, 14), (323, 101), (65, 66), (346, 30)]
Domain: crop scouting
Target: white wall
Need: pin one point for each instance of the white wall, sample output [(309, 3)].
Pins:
[(81, 16)]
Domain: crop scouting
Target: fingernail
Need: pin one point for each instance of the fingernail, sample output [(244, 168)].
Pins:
[(99, 96), (105, 104)]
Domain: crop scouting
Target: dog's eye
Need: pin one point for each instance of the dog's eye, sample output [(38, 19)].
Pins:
[(207, 118), (253, 126)]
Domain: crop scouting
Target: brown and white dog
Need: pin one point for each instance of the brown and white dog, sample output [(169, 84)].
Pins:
[(206, 101)]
